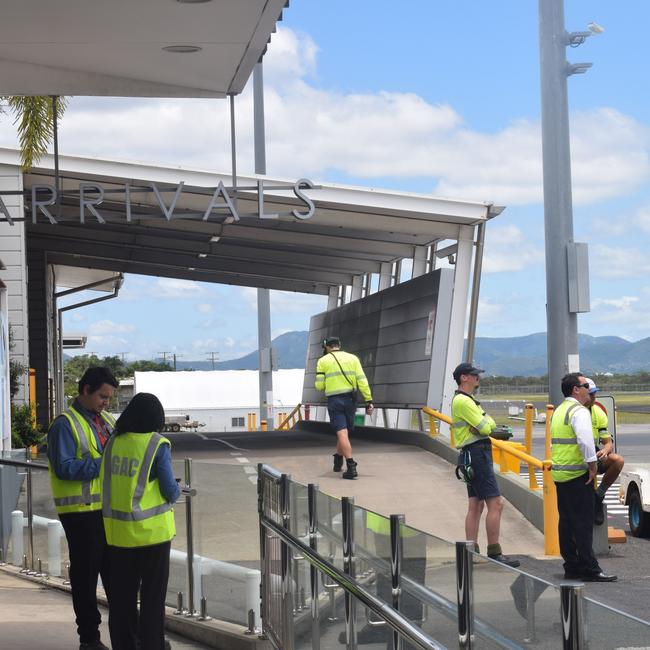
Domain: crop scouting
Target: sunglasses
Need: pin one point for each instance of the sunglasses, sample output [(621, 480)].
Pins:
[(585, 385)]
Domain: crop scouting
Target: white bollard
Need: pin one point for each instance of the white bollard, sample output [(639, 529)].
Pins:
[(54, 534), (253, 594), (17, 547)]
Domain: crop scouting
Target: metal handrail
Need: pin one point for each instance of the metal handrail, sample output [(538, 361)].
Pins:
[(430, 598), (551, 538), (29, 465), (351, 586)]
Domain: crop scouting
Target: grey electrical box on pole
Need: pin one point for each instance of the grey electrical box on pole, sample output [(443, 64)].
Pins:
[(263, 295), (561, 309)]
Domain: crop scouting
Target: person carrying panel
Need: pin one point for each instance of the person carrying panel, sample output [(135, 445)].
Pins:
[(340, 375)]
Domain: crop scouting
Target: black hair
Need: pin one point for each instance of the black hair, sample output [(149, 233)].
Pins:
[(95, 377), (569, 382), (143, 414), (332, 341)]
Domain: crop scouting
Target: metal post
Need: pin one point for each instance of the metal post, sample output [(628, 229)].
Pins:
[(530, 610), (465, 596), (251, 622), (476, 287), (30, 520), (312, 493), (561, 324), (573, 632), (191, 611), (180, 610), (204, 610), (17, 525), (396, 556), (263, 295), (287, 600), (347, 513)]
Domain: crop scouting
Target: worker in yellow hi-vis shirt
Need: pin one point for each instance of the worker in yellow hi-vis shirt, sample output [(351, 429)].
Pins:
[(609, 462), (471, 428), (340, 375)]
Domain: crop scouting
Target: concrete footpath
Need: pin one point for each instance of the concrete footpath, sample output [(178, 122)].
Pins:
[(35, 616)]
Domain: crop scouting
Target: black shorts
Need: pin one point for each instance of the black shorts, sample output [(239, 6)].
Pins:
[(484, 483)]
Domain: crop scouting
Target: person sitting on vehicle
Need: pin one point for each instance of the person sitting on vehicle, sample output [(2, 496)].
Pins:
[(610, 463)]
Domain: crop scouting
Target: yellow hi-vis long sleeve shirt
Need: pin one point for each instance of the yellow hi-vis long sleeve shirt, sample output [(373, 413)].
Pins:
[(470, 422), (331, 378)]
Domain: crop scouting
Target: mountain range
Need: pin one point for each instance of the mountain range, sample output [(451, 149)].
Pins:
[(519, 355)]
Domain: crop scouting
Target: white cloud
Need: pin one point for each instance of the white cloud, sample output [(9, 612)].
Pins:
[(311, 130), (619, 262), (172, 288), (629, 314), (624, 302), (507, 249), (103, 327), (204, 308), (489, 312)]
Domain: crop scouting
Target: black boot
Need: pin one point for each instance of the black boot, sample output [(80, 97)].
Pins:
[(338, 463), (351, 471)]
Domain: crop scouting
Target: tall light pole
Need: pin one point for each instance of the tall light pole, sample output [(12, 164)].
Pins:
[(566, 267), (263, 295)]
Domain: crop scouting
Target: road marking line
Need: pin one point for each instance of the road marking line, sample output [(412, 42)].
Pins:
[(225, 442), (241, 459)]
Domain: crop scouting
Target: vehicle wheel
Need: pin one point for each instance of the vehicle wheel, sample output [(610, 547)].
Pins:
[(176, 428), (639, 520)]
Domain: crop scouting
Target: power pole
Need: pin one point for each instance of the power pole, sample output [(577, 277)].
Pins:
[(213, 357), (176, 355), (164, 356)]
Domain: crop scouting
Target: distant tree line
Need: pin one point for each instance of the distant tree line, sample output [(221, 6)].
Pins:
[(637, 381), (74, 368)]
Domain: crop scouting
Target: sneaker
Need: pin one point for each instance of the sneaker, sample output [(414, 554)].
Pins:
[(504, 559), (599, 514), (351, 471), (93, 645), (338, 463)]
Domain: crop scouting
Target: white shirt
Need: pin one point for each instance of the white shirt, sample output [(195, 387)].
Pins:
[(581, 423)]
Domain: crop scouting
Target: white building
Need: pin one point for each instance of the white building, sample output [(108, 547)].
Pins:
[(222, 399)]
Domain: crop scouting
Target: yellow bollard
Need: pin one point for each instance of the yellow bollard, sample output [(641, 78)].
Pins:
[(262, 425), (551, 534), (32, 392)]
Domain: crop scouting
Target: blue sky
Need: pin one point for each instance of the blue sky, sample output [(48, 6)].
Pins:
[(420, 96)]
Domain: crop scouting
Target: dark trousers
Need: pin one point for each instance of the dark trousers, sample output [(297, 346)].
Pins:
[(88, 559), (146, 569), (575, 504)]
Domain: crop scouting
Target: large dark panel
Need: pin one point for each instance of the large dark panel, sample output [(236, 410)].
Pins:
[(388, 332)]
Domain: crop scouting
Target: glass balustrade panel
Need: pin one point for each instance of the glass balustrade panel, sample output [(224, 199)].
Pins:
[(514, 609)]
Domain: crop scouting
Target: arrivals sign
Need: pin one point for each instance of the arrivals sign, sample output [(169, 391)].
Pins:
[(220, 201)]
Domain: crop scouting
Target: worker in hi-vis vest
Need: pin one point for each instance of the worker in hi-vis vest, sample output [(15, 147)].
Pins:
[(471, 428), (340, 375), (574, 468), (75, 443), (609, 462), (138, 490)]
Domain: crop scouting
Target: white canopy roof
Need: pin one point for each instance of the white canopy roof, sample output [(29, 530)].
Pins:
[(117, 48), (219, 389)]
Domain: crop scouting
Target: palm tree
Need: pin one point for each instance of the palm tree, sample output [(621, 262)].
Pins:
[(37, 118)]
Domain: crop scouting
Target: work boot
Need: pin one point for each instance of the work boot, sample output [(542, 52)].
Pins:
[(599, 514), (504, 559), (93, 645), (338, 463), (351, 471)]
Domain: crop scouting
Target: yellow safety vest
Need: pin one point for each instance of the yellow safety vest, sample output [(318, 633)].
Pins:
[(79, 496), (599, 423), (567, 458), (135, 511), (469, 422), (333, 378)]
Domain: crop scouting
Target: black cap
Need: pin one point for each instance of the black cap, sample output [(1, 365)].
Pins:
[(466, 369), (332, 340)]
